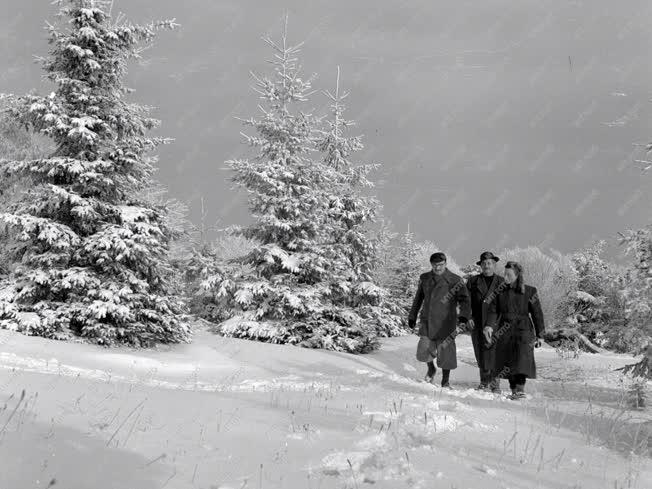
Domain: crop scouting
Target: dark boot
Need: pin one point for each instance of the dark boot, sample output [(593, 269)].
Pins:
[(519, 390), (516, 395), (445, 382), (494, 385), (484, 381), (430, 374), (512, 386)]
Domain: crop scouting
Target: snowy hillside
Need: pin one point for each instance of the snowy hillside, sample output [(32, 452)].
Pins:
[(227, 413)]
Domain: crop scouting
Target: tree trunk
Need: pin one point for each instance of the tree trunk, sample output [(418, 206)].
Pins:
[(556, 336)]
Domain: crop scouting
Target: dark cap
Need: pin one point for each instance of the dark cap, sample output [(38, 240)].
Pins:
[(487, 255), (437, 257)]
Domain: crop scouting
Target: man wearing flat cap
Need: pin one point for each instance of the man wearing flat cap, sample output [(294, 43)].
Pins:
[(483, 289), (440, 292)]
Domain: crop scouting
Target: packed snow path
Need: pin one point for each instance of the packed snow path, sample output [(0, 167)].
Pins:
[(226, 413)]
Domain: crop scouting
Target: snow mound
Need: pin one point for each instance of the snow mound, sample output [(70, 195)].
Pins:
[(341, 463), (374, 442), (368, 373), (149, 363), (281, 383), (365, 466), (425, 435)]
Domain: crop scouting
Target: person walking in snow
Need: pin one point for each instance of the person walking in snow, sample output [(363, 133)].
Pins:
[(440, 292), (515, 327), (483, 289)]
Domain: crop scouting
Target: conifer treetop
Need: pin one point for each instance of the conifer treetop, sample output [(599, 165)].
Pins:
[(292, 87), (337, 147)]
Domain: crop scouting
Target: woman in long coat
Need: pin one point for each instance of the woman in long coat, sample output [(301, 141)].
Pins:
[(514, 328)]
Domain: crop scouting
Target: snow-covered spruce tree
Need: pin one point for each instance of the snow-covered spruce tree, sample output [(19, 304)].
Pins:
[(353, 250), (637, 292), (94, 260), (200, 261), (206, 259), (286, 297), (384, 236), (469, 270), (597, 309), (179, 232), (405, 270), (638, 295)]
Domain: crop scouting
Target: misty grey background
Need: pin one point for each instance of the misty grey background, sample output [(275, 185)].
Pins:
[(497, 122)]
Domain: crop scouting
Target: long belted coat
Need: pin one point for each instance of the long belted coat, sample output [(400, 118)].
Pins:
[(481, 297), (517, 320), (440, 296)]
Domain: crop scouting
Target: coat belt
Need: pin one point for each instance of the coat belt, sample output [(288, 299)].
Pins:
[(515, 316)]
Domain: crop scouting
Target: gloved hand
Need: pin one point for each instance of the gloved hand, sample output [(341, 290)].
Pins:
[(470, 325), (412, 323), (488, 331), (538, 342)]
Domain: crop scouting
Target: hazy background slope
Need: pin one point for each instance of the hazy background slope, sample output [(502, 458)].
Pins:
[(499, 123)]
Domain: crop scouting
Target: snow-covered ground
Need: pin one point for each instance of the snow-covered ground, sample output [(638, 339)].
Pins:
[(227, 413)]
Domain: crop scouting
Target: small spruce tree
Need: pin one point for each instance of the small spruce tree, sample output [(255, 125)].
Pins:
[(406, 270)]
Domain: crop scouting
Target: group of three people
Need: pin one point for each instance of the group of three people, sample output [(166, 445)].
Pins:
[(503, 315)]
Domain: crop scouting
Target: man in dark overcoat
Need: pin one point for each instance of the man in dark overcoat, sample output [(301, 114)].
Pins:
[(483, 289), (440, 292)]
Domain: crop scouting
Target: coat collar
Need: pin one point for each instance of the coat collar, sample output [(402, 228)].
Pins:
[(493, 285), (497, 286), (511, 288), (482, 285), (448, 276)]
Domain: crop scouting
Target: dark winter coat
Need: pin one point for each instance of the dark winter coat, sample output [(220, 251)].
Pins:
[(440, 296), (481, 297), (517, 320)]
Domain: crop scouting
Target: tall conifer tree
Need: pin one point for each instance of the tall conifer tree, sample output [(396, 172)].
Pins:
[(352, 212), (292, 294), (94, 255)]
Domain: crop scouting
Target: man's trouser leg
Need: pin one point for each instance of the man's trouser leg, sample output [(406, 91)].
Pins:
[(478, 349), (447, 354)]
